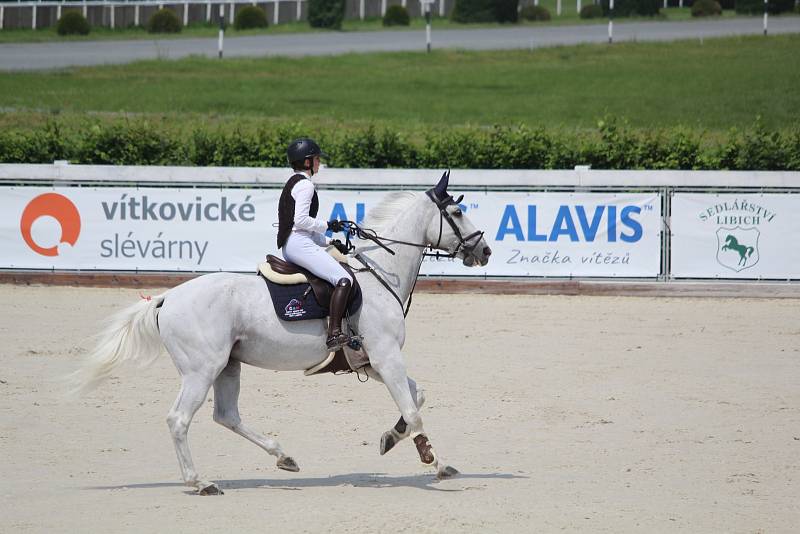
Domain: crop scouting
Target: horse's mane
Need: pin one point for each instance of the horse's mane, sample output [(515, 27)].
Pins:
[(389, 208)]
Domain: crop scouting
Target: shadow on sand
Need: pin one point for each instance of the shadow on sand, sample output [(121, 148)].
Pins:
[(356, 480)]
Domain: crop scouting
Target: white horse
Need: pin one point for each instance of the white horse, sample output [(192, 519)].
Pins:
[(212, 324)]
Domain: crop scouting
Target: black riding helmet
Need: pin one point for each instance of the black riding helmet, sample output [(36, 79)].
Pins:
[(303, 148)]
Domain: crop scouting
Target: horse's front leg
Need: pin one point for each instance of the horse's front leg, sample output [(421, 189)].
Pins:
[(399, 431), (393, 374)]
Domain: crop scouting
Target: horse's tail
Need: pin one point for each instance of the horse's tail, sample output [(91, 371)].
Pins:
[(750, 251), (131, 335)]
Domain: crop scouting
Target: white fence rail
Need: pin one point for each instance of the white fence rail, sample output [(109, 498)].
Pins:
[(27, 14)]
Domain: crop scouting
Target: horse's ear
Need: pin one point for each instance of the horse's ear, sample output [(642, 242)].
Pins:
[(441, 187)]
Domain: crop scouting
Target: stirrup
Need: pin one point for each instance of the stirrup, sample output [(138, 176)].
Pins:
[(337, 341)]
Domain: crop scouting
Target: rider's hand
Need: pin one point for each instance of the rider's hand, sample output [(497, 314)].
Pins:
[(335, 226), (341, 247)]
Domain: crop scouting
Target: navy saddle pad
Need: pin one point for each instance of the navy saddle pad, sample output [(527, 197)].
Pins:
[(297, 302)]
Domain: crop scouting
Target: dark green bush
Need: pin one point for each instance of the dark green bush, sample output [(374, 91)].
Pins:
[(73, 23), (250, 17), (706, 8), (396, 15), (535, 13), (506, 10), (613, 145), (756, 7), (326, 13), (466, 11), (164, 21), (727, 4), (627, 8), (592, 11)]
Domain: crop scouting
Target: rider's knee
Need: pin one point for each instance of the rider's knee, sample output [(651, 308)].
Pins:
[(344, 282)]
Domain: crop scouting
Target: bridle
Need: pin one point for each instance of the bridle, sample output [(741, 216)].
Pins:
[(352, 228)]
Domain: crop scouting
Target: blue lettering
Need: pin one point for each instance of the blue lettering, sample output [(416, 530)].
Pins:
[(627, 220), (509, 224), (359, 212), (532, 235), (612, 224), (564, 225), (590, 230)]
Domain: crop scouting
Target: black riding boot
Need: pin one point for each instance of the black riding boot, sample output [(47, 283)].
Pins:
[(336, 338)]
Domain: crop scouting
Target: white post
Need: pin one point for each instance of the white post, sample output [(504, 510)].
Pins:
[(2, 15), (160, 7), (299, 10), (441, 8), (275, 14), (536, 2), (58, 12), (665, 4), (578, 7), (428, 25), (383, 8), (33, 22), (403, 3), (186, 14), (84, 10), (221, 29), (233, 13), (361, 9), (765, 17), (136, 15), (558, 8), (112, 16), (610, 21), (208, 12), (680, 4)]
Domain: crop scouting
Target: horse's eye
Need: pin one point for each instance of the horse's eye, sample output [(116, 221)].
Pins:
[(457, 212)]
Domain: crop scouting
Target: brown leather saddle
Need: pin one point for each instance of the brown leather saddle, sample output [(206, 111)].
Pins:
[(321, 288)]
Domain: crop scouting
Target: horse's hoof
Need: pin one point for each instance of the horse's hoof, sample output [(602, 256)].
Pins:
[(387, 442), (287, 463), (446, 472), (209, 488)]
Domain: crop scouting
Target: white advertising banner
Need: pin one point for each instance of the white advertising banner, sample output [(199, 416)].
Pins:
[(119, 228), (735, 236)]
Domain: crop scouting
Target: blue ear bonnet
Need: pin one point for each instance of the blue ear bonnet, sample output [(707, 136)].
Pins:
[(439, 192)]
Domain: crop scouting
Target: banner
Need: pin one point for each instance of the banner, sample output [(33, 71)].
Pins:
[(735, 236), (194, 229)]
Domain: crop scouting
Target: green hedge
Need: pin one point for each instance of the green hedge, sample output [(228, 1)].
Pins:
[(612, 145)]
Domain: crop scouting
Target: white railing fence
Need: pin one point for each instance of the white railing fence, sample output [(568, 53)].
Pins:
[(120, 14)]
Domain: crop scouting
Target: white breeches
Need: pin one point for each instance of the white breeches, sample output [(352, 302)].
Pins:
[(301, 250)]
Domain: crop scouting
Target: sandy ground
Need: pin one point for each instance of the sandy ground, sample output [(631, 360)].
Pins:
[(585, 414)]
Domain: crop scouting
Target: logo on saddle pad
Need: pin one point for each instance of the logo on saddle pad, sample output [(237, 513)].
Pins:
[(737, 248), (294, 308)]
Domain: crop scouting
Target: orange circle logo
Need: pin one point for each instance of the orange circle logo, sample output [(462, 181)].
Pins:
[(61, 209)]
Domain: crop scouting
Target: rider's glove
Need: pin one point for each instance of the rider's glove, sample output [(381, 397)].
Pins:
[(341, 247), (335, 226)]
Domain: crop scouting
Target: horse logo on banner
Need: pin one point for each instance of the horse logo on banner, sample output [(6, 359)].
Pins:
[(737, 248)]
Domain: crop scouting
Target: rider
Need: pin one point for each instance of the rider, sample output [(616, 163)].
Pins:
[(301, 235)]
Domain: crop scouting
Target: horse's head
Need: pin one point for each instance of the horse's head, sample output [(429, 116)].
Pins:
[(452, 231)]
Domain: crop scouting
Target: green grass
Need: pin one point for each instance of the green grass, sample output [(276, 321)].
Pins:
[(715, 85), (198, 30)]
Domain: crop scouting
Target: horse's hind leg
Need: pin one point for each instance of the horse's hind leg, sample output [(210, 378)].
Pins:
[(193, 392), (226, 413)]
